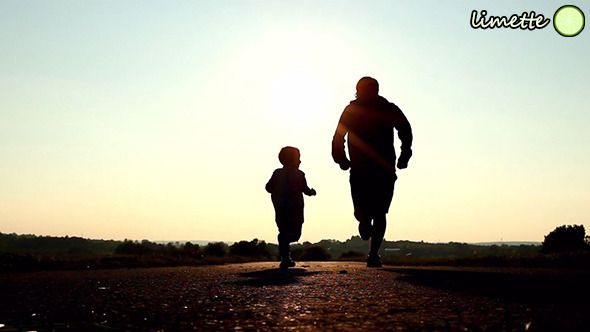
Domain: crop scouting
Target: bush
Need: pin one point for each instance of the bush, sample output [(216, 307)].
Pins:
[(216, 249), (313, 253), (352, 255)]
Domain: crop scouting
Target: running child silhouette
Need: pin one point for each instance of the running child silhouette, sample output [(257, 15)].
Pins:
[(286, 187)]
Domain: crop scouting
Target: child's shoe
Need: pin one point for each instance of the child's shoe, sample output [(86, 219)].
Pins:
[(286, 262), (374, 261)]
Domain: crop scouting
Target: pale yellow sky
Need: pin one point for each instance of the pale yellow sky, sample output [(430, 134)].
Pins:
[(163, 122)]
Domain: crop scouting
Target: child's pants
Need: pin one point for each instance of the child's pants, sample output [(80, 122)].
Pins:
[(288, 234)]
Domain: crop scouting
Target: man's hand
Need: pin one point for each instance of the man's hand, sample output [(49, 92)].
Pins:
[(402, 161), (312, 192)]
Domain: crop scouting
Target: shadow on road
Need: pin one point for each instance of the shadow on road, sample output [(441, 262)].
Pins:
[(274, 277), (566, 289)]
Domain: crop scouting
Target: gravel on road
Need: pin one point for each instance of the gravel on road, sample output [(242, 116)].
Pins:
[(313, 296)]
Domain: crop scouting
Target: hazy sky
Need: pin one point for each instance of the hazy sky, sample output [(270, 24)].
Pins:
[(162, 120)]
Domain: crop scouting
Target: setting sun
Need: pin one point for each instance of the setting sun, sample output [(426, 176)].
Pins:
[(298, 95)]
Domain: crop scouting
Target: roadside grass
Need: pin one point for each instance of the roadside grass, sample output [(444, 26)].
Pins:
[(29, 263), (541, 260)]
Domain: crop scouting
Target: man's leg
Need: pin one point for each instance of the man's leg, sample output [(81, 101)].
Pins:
[(365, 228), (379, 225), (360, 189)]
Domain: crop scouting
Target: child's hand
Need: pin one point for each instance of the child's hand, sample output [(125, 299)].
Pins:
[(312, 192), (345, 165)]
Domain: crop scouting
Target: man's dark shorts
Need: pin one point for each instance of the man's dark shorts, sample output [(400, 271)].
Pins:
[(372, 192)]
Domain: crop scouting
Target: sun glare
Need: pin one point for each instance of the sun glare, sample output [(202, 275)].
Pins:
[(299, 96)]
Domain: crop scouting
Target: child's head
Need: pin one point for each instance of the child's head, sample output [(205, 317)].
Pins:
[(289, 156)]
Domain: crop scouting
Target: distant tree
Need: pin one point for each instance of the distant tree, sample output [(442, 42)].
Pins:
[(253, 248), (565, 238), (154, 247), (191, 250), (129, 247), (217, 249)]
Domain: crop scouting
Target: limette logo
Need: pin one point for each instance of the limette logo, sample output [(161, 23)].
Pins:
[(525, 21), (568, 21)]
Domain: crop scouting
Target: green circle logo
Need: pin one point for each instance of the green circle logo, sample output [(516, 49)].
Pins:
[(568, 21)]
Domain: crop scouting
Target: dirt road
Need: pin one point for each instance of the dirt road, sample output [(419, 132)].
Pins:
[(320, 296)]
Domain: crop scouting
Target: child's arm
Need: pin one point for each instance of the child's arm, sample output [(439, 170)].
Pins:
[(307, 190)]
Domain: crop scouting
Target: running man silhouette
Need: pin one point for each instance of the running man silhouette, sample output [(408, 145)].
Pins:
[(369, 121)]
